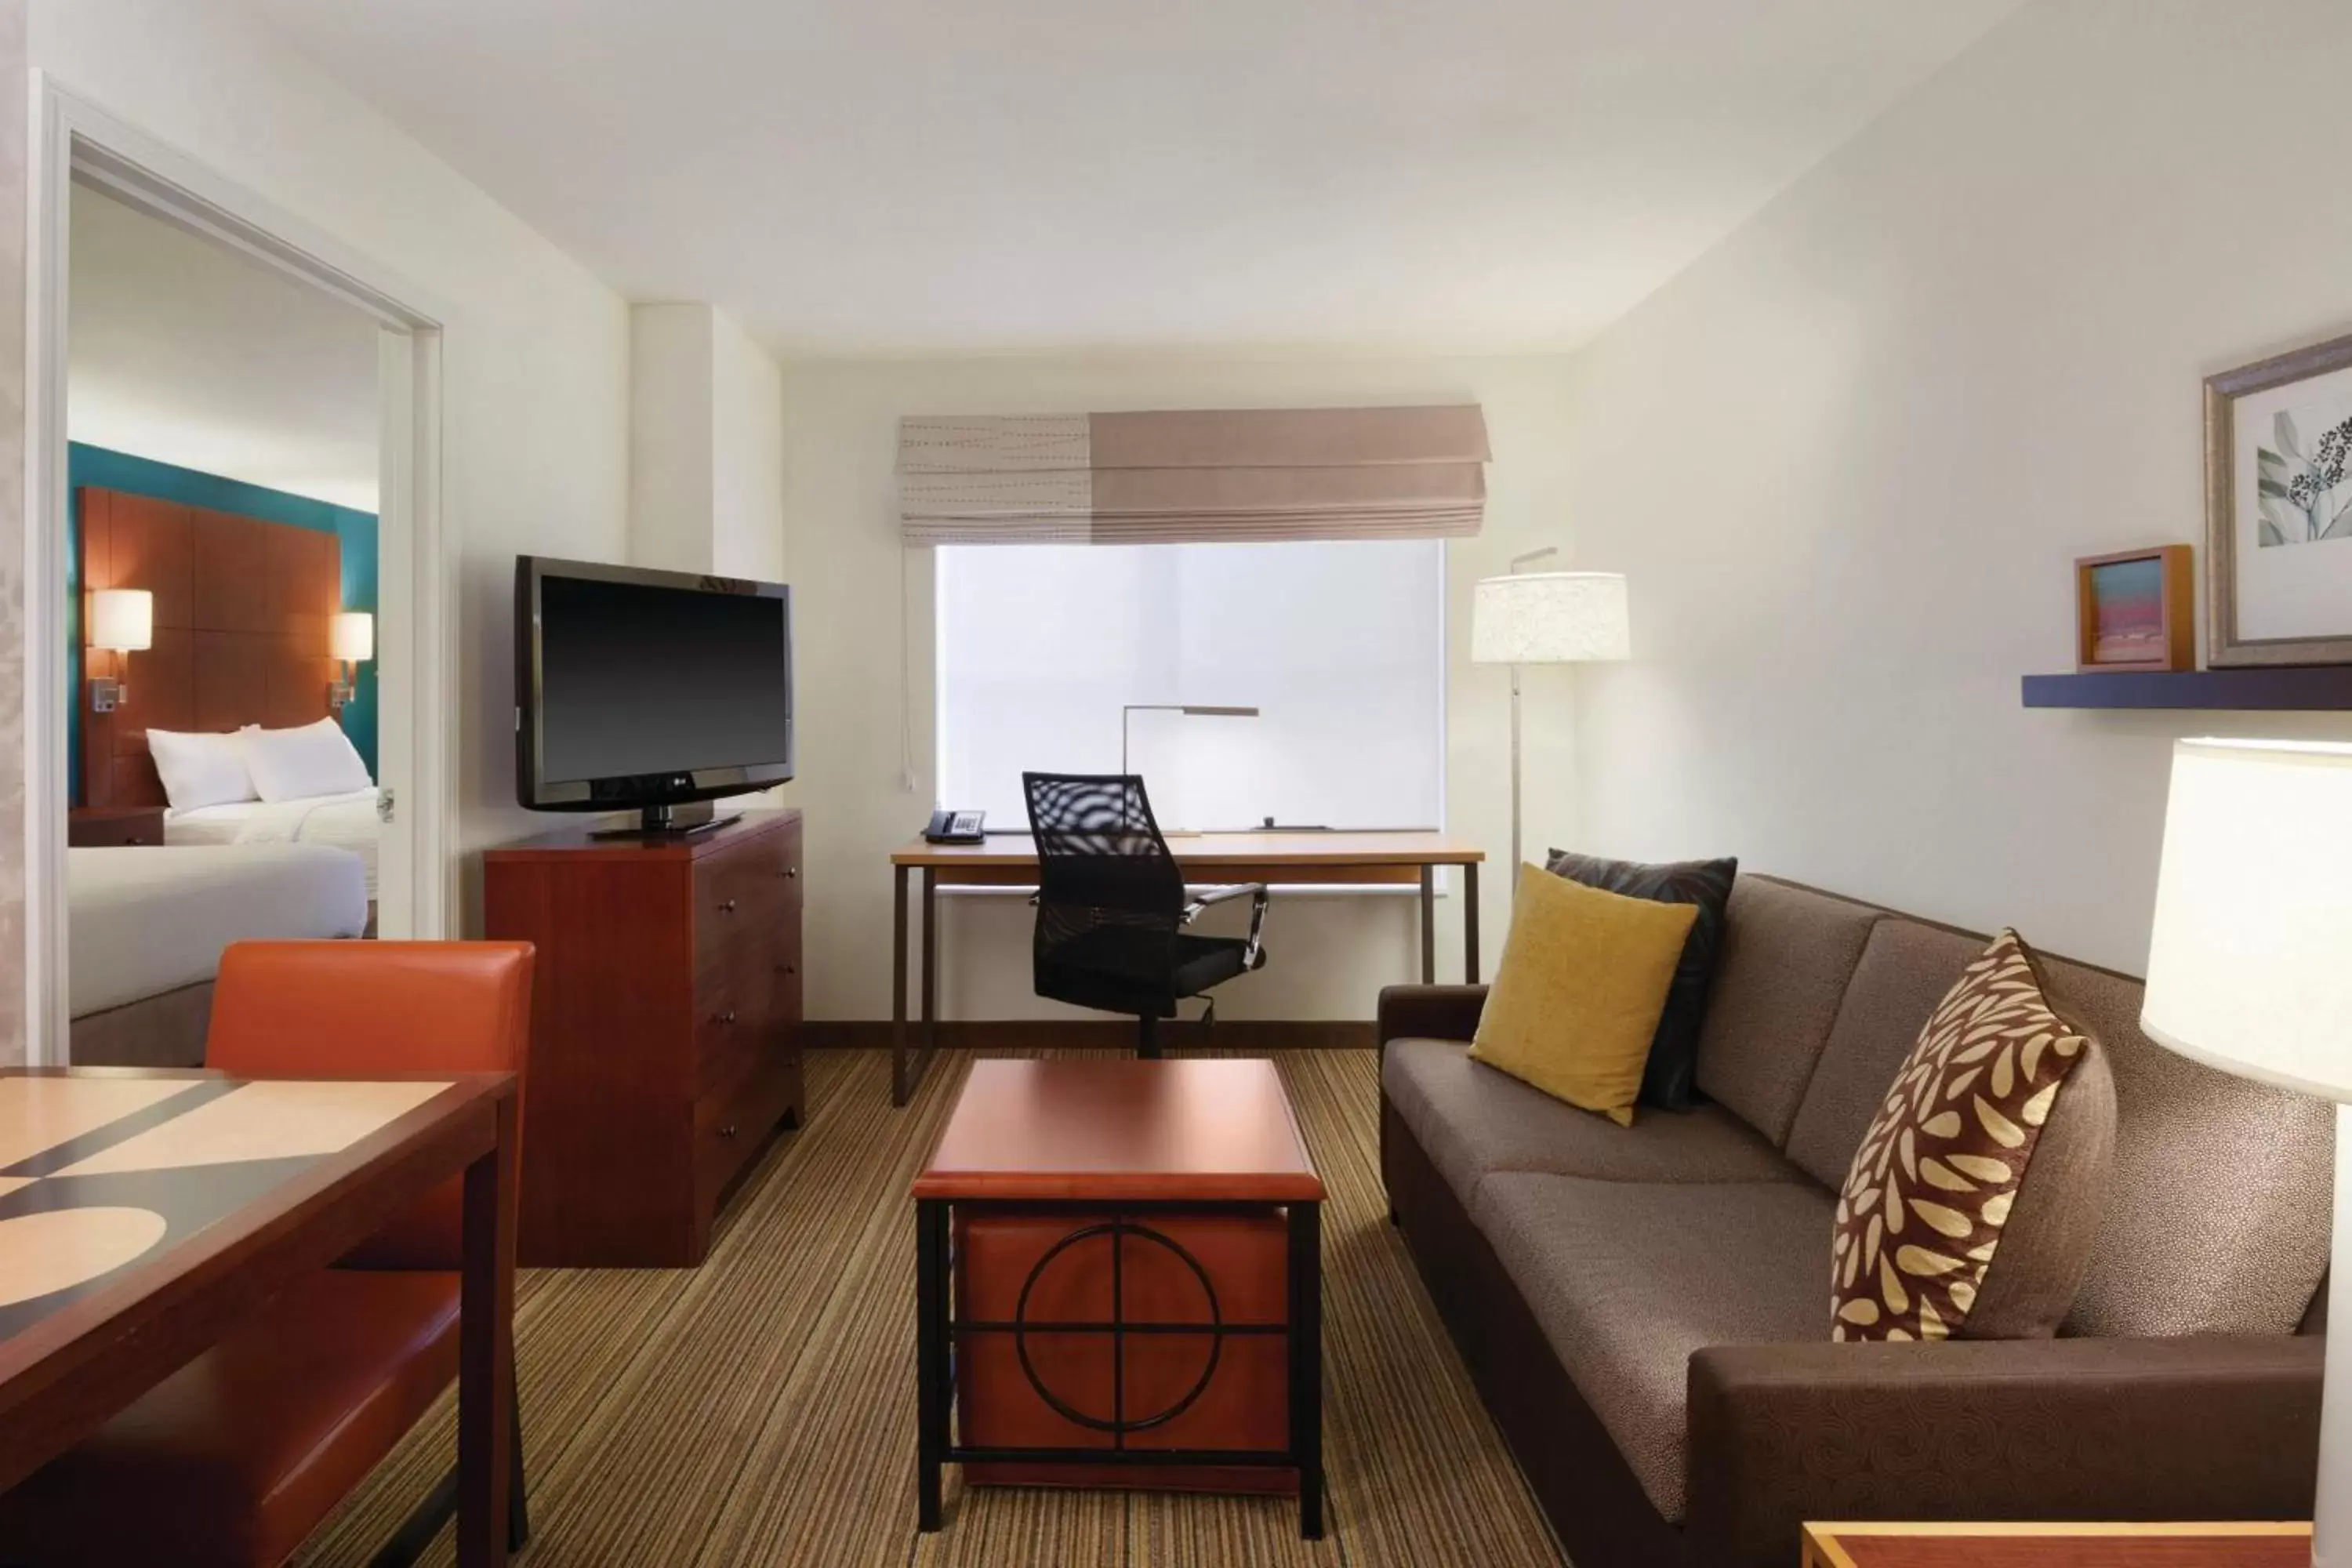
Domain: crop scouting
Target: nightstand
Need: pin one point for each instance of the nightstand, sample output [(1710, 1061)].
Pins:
[(87, 827), (2057, 1545)]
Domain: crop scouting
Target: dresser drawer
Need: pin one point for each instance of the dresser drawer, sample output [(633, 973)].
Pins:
[(733, 1118), (751, 889), (735, 1011)]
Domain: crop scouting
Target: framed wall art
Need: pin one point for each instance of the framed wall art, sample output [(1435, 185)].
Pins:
[(2278, 510), (2134, 610)]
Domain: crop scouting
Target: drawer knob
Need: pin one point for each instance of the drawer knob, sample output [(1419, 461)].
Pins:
[(791, 872), (726, 1017), (783, 969), (726, 907), (727, 1130)]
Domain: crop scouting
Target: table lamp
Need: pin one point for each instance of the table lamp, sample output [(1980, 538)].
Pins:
[(2247, 973), (1189, 709), (1545, 617)]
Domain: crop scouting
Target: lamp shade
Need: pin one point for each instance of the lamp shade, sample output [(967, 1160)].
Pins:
[(1550, 617), (2247, 969), (123, 620), (352, 636)]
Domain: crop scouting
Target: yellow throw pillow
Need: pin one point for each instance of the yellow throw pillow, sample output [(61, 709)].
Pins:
[(1583, 982)]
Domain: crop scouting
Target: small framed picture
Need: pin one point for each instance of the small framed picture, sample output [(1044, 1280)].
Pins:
[(2132, 610), (2278, 510)]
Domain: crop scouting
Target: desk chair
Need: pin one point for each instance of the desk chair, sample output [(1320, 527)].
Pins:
[(235, 1458), (1111, 909)]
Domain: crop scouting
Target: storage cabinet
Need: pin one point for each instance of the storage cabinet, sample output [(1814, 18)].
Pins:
[(665, 1018)]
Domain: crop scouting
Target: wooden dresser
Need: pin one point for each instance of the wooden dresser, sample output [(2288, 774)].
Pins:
[(665, 1043)]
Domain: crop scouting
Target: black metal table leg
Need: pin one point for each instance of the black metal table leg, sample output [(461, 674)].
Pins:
[(1307, 1363), (933, 1367), (898, 1085), (930, 977), (1470, 923), (1429, 925)]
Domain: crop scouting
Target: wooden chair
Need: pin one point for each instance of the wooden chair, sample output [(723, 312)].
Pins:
[(233, 1460)]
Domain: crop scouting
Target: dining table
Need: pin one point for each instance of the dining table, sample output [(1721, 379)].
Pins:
[(144, 1213)]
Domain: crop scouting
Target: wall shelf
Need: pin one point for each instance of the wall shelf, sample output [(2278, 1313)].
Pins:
[(2309, 689)]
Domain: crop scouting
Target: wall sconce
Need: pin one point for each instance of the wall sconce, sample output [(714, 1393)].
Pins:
[(122, 621), (352, 639)]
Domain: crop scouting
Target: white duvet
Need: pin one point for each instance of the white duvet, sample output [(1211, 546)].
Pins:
[(144, 921), (345, 821)]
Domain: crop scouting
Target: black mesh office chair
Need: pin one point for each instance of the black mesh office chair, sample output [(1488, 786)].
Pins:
[(1111, 909)]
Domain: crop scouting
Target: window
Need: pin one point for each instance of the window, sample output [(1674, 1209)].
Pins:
[(1340, 645)]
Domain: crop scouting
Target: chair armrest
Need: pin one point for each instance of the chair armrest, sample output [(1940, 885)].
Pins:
[(1202, 900), (1255, 954), (2211, 1427), (1429, 1011)]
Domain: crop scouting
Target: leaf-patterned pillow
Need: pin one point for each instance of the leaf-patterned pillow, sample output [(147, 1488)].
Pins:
[(1930, 1196)]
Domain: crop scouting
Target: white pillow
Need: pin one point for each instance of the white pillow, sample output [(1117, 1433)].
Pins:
[(200, 769), (292, 764)]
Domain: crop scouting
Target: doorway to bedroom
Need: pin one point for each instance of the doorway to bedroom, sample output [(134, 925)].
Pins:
[(223, 752)]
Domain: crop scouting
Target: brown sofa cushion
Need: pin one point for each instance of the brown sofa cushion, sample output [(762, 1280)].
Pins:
[(2217, 1218), (1905, 970), (1472, 1120), (1628, 1278), (2222, 1188), (1938, 1233), (1787, 955)]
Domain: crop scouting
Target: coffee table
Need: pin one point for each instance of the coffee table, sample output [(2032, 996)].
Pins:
[(2009, 1545), (1119, 1277)]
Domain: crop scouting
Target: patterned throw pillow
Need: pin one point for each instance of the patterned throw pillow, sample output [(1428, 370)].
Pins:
[(1938, 1190), (1667, 1078)]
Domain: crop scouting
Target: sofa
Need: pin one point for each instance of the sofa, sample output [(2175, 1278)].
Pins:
[(1645, 1310)]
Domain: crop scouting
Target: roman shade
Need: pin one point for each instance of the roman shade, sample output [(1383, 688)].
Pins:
[(1192, 476)]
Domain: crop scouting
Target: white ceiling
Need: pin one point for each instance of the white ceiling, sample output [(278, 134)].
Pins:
[(184, 351), (925, 175)]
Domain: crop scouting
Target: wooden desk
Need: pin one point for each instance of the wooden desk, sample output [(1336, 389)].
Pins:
[(144, 1213), (1009, 861), (2191, 1545)]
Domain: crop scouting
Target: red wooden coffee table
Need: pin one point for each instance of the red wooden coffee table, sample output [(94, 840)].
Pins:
[(1119, 1282)]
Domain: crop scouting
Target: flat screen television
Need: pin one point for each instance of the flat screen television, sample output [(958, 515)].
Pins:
[(647, 690)]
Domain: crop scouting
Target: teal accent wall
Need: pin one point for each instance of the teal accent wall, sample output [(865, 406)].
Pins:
[(111, 470)]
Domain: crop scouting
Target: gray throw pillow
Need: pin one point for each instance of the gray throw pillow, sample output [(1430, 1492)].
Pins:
[(1667, 1078)]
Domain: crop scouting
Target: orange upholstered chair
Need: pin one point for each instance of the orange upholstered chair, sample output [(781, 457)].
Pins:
[(234, 1459)]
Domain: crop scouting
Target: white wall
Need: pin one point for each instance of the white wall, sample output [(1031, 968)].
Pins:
[(669, 437), (706, 441), (13, 931), (1329, 954), (1848, 456), (747, 426), (182, 350), (536, 366)]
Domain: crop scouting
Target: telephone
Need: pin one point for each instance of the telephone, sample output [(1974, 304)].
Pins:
[(954, 828)]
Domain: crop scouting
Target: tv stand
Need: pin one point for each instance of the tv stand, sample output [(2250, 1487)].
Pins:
[(670, 822), (665, 1033)]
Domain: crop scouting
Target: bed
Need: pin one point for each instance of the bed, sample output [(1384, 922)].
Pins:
[(148, 925), (346, 821)]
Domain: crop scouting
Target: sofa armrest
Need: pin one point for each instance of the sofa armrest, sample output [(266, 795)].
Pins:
[(2204, 1427), (1429, 1011)]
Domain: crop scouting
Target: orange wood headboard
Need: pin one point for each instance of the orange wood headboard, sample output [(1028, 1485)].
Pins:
[(242, 613)]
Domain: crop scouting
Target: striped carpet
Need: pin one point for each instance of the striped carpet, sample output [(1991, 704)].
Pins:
[(760, 1410)]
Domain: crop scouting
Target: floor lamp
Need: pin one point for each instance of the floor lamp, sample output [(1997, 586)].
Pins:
[(2246, 973), (1545, 617)]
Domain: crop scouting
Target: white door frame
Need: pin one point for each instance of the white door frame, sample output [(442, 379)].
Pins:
[(73, 138)]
